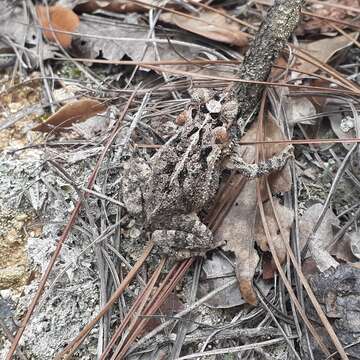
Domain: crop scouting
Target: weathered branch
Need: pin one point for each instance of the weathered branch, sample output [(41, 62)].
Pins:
[(270, 39)]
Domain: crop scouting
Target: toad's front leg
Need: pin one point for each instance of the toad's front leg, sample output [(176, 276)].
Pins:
[(275, 163), (183, 236)]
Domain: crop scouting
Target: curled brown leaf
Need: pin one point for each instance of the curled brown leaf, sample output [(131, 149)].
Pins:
[(60, 18), (73, 112), (237, 230)]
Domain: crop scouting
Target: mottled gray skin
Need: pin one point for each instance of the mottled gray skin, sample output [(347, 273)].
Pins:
[(186, 170), (185, 175)]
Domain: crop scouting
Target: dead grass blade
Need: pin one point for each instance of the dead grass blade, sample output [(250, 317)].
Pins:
[(135, 309), (321, 52), (304, 282), (349, 87), (158, 298), (8, 335), (183, 313), (355, 41), (199, 62), (353, 90), (338, 176), (306, 56)]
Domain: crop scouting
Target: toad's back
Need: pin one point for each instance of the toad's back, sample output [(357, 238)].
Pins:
[(185, 175)]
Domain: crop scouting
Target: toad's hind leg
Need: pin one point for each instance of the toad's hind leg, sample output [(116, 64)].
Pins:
[(184, 236), (263, 168)]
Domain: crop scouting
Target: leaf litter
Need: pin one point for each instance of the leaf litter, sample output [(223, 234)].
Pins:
[(210, 25), (51, 188), (72, 112), (57, 22)]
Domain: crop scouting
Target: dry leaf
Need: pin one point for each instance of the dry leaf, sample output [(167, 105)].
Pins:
[(14, 26), (279, 181), (286, 218), (75, 111), (322, 246), (170, 307), (308, 267), (319, 101), (210, 25), (60, 18), (118, 6), (322, 50), (268, 267), (298, 109), (318, 246), (278, 72), (219, 270), (345, 248), (237, 230), (308, 220), (90, 128), (355, 243), (100, 45)]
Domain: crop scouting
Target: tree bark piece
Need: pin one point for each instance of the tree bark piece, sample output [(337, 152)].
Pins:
[(270, 39)]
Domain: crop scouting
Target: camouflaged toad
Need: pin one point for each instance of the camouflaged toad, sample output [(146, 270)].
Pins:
[(185, 172)]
